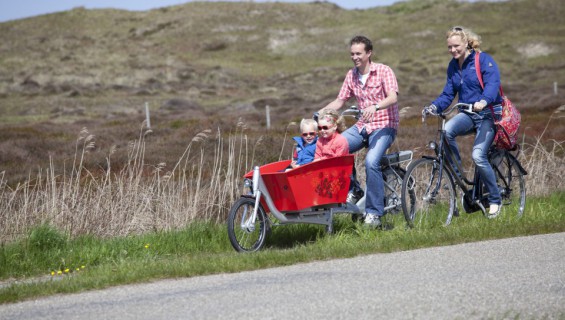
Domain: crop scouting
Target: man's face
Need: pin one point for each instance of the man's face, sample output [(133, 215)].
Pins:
[(359, 56)]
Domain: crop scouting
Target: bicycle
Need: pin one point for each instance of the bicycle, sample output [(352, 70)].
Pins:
[(392, 173), (310, 194), (430, 182)]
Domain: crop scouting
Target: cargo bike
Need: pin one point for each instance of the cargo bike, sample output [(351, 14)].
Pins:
[(312, 194)]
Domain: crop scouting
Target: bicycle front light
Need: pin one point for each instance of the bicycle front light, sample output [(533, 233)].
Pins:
[(248, 186), (432, 145)]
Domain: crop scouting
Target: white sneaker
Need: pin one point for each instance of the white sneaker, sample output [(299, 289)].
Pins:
[(493, 211), (354, 196), (372, 220)]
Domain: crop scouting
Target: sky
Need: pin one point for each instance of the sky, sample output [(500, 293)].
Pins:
[(18, 9)]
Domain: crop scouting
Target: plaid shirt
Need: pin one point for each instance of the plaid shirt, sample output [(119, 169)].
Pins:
[(381, 79)]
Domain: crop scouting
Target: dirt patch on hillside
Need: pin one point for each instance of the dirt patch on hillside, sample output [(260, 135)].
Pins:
[(534, 50)]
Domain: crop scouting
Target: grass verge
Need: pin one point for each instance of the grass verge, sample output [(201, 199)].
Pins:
[(47, 262)]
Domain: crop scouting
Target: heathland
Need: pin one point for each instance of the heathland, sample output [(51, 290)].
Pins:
[(92, 192), (75, 150)]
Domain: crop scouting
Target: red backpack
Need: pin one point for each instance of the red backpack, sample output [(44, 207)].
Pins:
[(507, 127)]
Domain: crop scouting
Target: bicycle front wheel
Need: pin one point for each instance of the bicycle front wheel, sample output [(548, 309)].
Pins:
[(511, 183), (246, 235), (428, 198)]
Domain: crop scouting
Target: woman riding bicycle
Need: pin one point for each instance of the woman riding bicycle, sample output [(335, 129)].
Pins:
[(375, 87), (462, 79)]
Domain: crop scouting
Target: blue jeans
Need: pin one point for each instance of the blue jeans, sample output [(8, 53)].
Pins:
[(379, 141), (464, 124)]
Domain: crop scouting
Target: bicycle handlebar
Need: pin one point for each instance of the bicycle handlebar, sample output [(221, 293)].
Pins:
[(463, 107), (351, 111)]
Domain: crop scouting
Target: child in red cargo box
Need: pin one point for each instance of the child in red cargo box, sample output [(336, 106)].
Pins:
[(330, 141), (305, 144)]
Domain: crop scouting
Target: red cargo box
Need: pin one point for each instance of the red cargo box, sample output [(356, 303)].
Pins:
[(314, 184)]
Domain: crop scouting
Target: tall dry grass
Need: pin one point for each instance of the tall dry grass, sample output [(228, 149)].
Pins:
[(139, 197), (544, 160), (201, 185)]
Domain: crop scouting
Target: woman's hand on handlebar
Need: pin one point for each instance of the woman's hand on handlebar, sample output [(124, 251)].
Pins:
[(431, 109), (479, 105)]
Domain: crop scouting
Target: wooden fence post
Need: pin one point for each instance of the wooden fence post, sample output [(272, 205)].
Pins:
[(147, 115)]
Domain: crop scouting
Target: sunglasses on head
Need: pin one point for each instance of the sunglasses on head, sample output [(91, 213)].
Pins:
[(324, 127), (457, 29), (306, 134)]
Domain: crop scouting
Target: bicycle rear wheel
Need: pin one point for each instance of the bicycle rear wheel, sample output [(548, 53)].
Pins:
[(428, 200), (245, 235), (511, 183), (392, 177)]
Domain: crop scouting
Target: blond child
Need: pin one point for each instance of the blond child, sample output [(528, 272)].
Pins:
[(330, 141), (305, 143)]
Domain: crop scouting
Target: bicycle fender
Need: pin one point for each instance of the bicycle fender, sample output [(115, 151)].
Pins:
[(431, 158), (524, 172)]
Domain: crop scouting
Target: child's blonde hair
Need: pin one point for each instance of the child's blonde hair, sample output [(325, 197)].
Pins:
[(331, 115), (308, 122)]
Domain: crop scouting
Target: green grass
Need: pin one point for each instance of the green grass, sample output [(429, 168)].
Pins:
[(203, 248)]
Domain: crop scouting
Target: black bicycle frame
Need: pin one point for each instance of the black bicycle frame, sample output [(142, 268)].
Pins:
[(445, 155)]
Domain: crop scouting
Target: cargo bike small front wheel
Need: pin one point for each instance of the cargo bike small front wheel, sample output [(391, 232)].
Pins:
[(247, 233)]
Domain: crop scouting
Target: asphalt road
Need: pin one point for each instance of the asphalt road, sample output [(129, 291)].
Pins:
[(521, 278)]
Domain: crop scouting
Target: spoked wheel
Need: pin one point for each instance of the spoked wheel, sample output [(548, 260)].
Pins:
[(392, 176), (393, 188), (511, 183), (246, 235), (425, 202)]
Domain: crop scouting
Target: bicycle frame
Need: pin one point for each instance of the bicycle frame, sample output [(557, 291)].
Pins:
[(390, 160), (436, 180), (322, 215), (444, 152)]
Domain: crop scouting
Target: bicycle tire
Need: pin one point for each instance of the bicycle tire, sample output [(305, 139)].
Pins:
[(246, 239), (393, 176), (420, 207), (511, 183)]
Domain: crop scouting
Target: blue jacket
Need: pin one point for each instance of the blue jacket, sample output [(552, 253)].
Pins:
[(464, 82), (305, 153)]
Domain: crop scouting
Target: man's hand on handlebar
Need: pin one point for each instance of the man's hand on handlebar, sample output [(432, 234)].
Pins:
[(368, 113)]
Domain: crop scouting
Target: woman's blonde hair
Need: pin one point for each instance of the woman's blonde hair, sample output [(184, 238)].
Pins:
[(473, 40), (331, 115)]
